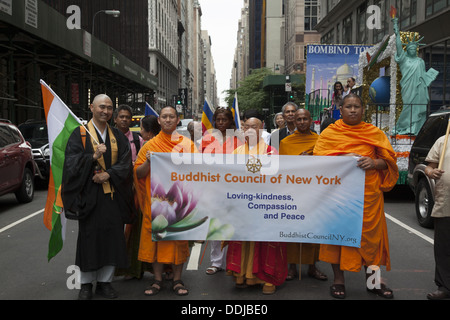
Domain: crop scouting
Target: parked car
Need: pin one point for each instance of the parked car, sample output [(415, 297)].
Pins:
[(182, 127), (422, 186), (17, 167), (136, 123), (35, 132)]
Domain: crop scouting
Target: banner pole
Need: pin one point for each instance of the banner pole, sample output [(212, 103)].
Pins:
[(441, 162)]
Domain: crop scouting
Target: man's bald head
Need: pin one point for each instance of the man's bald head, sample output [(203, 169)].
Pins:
[(100, 97), (303, 120), (253, 130)]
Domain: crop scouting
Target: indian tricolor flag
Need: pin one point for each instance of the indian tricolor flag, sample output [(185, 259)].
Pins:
[(61, 122)]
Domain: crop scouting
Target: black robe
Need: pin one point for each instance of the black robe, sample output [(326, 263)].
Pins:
[(101, 239)]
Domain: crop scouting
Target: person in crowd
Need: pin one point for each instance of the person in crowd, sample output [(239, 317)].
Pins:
[(253, 113), (441, 215), (122, 120), (278, 122), (149, 127), (288, 111), (302, 142), (350, 136), (97, 184), (174, 253), (222, 140), (195, 131), (351, 84), (336, 100), (251, 262)]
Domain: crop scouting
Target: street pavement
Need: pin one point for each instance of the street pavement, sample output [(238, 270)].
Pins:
[(26, 274)]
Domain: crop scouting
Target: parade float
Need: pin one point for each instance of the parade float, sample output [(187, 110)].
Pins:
[(395, 92)]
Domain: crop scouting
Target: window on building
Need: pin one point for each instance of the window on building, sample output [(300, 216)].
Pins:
[(408, 13), (338, 33), (347, 30), (378, 34), (433, 6), (361, 36), (437, 57), (328, 38), (311, 14)]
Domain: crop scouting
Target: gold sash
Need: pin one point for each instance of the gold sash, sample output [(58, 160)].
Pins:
[(107, 187)]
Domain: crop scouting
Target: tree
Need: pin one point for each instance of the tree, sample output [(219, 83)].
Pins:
[(250, 91)]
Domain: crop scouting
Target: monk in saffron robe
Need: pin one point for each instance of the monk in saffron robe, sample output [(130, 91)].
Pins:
[(352, 137), (252, 262), (302, 142), (160, 253)]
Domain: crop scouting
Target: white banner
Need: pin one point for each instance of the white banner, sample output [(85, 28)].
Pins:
[(265, 198)]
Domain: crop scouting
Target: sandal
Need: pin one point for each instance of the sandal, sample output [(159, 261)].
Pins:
[(291, 276), (383, 292), (337, 291), (268, 289), (213, 270), (152, 290), (179, 285), (318, 275)]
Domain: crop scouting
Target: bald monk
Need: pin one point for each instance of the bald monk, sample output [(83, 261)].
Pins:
[(350, 136), (160, 253), (302, 142), (250, 262)]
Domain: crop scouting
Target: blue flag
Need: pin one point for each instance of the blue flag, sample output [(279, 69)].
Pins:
[(150, 111)]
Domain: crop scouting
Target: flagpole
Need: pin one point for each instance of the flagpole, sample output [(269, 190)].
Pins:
[(236, 109), (441, 161), (95, 140)]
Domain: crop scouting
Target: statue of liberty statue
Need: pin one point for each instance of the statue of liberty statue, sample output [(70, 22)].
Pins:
[(415, 82)]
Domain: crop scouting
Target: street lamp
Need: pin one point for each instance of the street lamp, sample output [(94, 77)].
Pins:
[(115, 14)]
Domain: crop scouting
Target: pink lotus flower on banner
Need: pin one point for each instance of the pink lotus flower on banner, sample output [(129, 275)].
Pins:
[(173, 211)]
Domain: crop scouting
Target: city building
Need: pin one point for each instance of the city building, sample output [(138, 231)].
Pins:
[(55, 42), (351, 22), (163, 49), (301, 17), (209, 74), (274, 34), (241, 56)]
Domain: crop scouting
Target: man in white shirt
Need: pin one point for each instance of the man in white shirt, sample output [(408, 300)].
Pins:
[(351, 84)]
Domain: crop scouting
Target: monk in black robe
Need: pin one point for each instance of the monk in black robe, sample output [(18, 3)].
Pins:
[(97, 187)]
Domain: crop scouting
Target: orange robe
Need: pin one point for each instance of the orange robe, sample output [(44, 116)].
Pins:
[(298, 143), (166, 252), (369, 141), (211, 144), (294, 145), (257, 262)]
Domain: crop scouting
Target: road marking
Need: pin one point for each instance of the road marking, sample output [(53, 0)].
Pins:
[(426, 238), (21, 220), (195, 255)]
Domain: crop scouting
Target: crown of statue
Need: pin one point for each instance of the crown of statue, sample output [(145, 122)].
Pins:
[(413, 43)]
